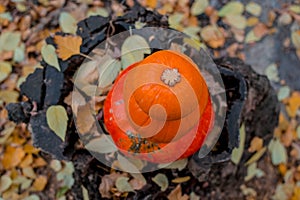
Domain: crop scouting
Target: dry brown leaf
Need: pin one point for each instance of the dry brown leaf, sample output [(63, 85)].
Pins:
[(84, 119), (260, 30), (176, 194), (67, 46), (40, 183), (12, 157), (107, 182), (256, 144)]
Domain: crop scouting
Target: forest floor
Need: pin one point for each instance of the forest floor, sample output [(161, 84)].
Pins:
[(264, 34)]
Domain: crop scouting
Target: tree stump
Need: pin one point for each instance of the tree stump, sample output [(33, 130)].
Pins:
[(250, 98)]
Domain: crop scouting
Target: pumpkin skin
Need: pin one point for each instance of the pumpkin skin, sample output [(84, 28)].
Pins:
[(161, 150)]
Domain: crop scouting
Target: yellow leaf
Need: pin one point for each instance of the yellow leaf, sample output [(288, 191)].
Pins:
[(161, 180), (67, 46), (12, 157), (296, 39), (253, 8), (237, 153), (5, 69), (181, 179), (199, 6), (232, 8), (57, 120)]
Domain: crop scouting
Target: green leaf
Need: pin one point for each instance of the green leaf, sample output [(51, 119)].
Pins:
[(283, 92), (178, 164), (175, 20), (123, 185), (254, 9), (251, 37), (199, 7), (98, 11), (232, 8), (102, 144), (67, 23), (278, 152), (32, 197), (238, 152), (9, 40), (133, 50), (5, 70), (162, 181), (85, 193), (237, 21), (50, 57), (19, 53), (272, 72), (57, 120), (295, 8), (108, 72)]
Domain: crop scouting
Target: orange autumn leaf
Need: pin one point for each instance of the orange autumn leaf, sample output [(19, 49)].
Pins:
[(40, 183), (293, 104), (256, 144), (176, 194), (12, 157), (67, 46)]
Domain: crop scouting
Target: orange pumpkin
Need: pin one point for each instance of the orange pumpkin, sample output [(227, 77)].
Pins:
[(159, 107)]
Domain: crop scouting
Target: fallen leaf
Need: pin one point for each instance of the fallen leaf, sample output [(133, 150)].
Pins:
[(29, 172), (50, 57), (251, 21), (162, 181), (9, 96), (12, 157), (84, 119), (108, 72), (293, 104), (178, 164), (85, 193), (194, 196), (27, 161), (295, 8), (55, 165), (133, 50), (5, 70), (67, 46), (237, 21), (231, 8), (102, 144), (237, 153), (5, 183), (272, 72), (296, 39), (175, 20), (176, 194), (256, 156), (260, 30), (123, 185), (67, 23), (213, 36), (278, 152), (19, 53), (107, 183), (9, 41), (57, 120), (283, 93), (40, 183), (181, 179), (253, 171), (254, 9), (285, 19), (66, 175), (256, 144), (199, 7), (94, 11), (251, 37)]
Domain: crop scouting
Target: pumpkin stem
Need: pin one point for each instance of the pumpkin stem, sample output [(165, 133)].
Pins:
[(170, 77)]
